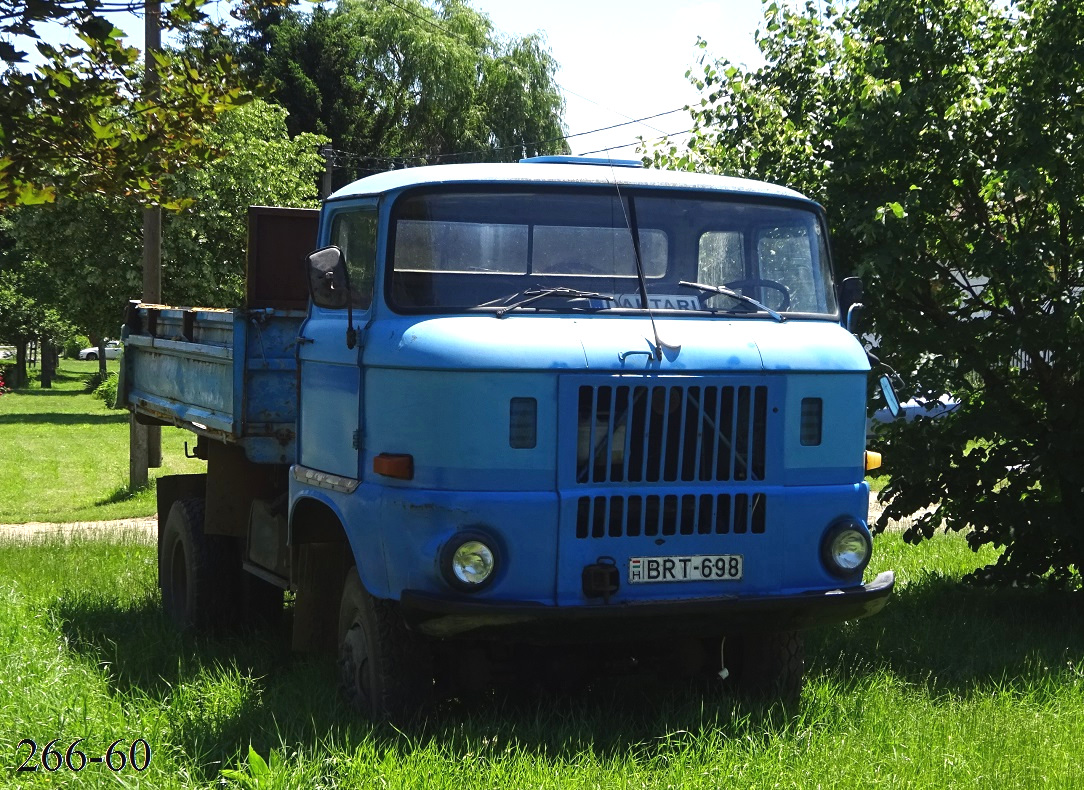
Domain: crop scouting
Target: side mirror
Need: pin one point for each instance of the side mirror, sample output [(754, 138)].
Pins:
[(329, 282), (854, 317), (850, 295), (891, 399), (329, 286)]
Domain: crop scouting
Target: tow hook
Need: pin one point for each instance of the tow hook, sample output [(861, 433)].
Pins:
[(601, 579)]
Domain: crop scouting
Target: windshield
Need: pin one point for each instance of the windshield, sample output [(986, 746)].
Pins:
[(453, 251)]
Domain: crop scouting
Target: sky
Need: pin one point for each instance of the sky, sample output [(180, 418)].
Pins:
[(618, 59), (626, 60)]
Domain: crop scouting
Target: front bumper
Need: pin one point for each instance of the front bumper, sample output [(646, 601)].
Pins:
[(446, 616)]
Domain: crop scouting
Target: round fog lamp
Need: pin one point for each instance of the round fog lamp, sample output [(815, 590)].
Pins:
[(846, 549), (473, 563)]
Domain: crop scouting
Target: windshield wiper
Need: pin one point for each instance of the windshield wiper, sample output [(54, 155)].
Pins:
[(534, 294), (718, 289)]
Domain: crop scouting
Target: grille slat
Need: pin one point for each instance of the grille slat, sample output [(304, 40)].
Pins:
[(670, 514), (671, 433), (741, 435)]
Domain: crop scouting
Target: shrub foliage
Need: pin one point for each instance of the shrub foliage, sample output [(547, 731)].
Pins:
[(946, 141)]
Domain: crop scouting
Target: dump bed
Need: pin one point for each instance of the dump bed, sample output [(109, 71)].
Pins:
[(228, 374)]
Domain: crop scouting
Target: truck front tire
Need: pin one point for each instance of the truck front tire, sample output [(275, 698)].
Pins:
[(193, 568), (385, 671), (770, 666)]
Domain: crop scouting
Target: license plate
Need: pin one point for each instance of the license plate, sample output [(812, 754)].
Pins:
[(697, 568)]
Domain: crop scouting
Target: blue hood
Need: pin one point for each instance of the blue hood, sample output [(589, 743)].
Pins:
[(611, 343)]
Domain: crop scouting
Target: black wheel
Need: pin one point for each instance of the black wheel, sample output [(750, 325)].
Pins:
[(91, 356), (385, 671), (768, 666), (749, 284), (195, 571)]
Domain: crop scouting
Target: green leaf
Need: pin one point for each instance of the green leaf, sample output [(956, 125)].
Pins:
[(32, 195), (101, 131), (256, 764)]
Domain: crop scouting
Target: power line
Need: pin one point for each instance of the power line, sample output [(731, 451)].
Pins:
[(403, 161), (430, 22), (603, 106), (635, 142), (629, 122)]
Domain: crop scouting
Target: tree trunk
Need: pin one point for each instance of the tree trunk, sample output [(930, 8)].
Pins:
[(19, 380), (102, 372), (46, 356)]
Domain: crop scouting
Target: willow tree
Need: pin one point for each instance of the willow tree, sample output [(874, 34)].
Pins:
[(406, 82)]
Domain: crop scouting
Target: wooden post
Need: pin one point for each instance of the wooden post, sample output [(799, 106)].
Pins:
[(145, 450)]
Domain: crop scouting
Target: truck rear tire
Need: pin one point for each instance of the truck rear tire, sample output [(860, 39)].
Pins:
[(385, 671), (194, 569)]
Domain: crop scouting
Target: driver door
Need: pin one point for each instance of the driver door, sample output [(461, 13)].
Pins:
[(330, 394)]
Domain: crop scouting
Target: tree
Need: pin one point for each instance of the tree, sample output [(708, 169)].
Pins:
[(24, 317), (406, 81), (91, 247), (204, 246), (945, 140), (81, 121)]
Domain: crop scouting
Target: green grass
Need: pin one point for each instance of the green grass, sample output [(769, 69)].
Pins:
[(950, 686), (64, 455)]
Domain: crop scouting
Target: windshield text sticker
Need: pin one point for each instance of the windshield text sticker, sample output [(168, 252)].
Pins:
[(659, 301)]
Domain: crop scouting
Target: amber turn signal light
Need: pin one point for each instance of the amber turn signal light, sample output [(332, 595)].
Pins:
[(873, 460), (397, 465)]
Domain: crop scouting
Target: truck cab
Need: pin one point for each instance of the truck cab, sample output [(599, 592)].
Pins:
[(563, 402)]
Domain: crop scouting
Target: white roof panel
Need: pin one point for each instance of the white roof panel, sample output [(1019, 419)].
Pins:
[(551, 173)]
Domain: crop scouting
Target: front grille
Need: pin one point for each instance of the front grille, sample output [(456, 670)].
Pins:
[(670, 514), (670, 433)]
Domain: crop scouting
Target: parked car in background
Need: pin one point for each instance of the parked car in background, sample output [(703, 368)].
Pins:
[(915, 408), (112, 351)]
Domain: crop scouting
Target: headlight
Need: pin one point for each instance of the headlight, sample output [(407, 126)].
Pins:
[(469, 561), (846, 548)]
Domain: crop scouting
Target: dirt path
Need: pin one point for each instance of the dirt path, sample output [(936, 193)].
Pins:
[(142, 529), (875, 510), (147, 528)]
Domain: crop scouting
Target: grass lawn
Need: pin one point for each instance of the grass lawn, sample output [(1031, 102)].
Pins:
[(64, 455), (950, 686)]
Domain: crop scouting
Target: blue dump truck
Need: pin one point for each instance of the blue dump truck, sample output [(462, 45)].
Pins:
[(560, 411)]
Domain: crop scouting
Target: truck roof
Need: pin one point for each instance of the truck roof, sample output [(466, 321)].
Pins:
[(546, 171)]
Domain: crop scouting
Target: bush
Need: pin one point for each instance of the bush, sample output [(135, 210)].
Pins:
[(936, 134), (107, 390), (74, 345)]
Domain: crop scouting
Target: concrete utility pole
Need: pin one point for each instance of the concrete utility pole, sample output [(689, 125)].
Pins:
[(329, 162), (145, 442)]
